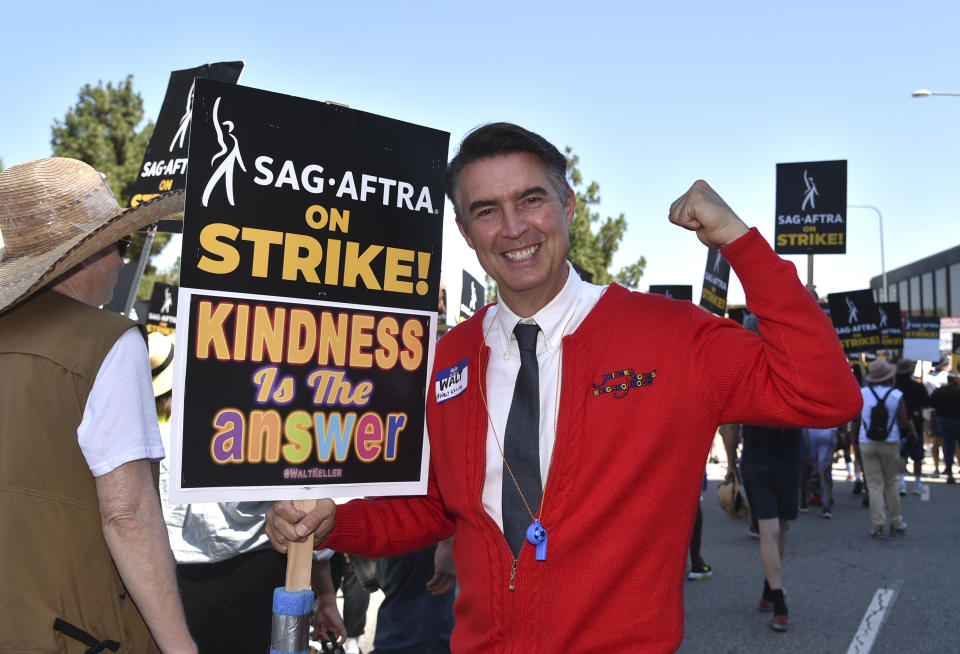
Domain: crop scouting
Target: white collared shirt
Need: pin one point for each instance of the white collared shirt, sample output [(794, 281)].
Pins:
[(561, 316)]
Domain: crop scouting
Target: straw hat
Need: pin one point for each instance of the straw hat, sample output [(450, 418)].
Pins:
[(731, 499), (161, 362), (879, 371), (54, 213)]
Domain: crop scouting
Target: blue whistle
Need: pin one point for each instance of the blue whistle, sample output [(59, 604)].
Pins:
[(537, 535)]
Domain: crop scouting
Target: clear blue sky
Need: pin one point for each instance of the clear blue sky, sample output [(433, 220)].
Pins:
[(651, 96)]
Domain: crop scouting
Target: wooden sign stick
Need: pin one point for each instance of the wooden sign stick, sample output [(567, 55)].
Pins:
[(300, 556), (290, 632)]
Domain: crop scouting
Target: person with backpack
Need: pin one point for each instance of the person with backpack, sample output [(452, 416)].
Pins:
[(881, 421)]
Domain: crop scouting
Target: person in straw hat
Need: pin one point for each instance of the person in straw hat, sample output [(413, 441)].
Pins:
[(881, 449), (86, 563)]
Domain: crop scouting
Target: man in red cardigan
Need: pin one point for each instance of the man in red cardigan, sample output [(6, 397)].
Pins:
[(628, 390)]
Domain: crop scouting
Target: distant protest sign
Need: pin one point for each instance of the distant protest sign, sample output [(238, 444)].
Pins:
[(675, 291), (308, 301), (716, 277), (162, 310), (891, 329), (472, 295), (811, 208), (949, 333), (921, 338), (164, 166), (856, 319)]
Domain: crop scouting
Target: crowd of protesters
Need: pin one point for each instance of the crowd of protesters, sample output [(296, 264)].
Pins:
[(785, 471), (139, 574)]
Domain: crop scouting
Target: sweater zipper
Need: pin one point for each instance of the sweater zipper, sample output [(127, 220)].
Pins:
[(516, 559), (483, 463)]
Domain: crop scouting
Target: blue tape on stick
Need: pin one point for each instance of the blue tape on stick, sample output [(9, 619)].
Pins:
[(292, 603), (291, 621)]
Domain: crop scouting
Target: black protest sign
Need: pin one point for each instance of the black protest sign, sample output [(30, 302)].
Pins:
[(921, 338), (162, 310), (675, 291), (310, 200), (472, 296), (716, 276), (811, 208), (921, 327), (164, 166), (891, 329), (856, 319), (285, 394), (309, 292)]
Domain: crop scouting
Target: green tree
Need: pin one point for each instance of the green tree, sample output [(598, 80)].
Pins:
[(106, 129), (171, 276), (593, 250)]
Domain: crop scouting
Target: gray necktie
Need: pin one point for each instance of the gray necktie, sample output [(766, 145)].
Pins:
[(521, 443)]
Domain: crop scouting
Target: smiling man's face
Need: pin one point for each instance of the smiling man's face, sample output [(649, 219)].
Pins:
[(516, 222)]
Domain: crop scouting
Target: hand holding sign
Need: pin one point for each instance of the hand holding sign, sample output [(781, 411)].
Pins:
[(287, 524), (702, 210)]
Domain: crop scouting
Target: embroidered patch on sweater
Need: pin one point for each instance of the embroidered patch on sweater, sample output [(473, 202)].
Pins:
[(619, 382), (451, 381)]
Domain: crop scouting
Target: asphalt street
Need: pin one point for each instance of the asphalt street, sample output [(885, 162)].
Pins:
[(832, 572)]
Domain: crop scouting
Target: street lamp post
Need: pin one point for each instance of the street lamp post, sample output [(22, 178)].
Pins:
[(923, 93), (883, 265)]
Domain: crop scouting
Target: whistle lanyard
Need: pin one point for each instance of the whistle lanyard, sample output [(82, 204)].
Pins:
[(536, 532)]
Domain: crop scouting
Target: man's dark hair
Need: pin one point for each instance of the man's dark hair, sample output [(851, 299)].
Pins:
[(499, 139)]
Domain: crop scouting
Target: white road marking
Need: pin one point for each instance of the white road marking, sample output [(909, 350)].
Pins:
[(862, 642)]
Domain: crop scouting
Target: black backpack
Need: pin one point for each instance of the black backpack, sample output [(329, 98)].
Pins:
[(880, 424)]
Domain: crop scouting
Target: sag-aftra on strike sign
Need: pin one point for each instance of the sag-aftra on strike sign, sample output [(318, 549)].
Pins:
[(309, 289), (811, 208)]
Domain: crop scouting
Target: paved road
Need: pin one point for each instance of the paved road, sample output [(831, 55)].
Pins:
[(832, 572)]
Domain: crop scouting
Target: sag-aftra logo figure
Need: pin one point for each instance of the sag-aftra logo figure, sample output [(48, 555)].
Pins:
[(225, 169)]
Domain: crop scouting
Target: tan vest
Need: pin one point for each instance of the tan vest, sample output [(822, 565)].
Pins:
[(54, 562)]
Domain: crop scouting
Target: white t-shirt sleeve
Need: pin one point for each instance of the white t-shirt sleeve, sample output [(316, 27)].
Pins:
[(119, 422)]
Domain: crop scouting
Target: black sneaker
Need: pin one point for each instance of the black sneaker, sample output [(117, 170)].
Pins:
[(701, 571), (858, 487)]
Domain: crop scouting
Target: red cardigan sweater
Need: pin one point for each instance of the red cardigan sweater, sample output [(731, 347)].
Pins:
[(624, 481)]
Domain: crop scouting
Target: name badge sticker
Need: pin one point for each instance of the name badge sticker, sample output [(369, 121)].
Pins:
[(451, 381)]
